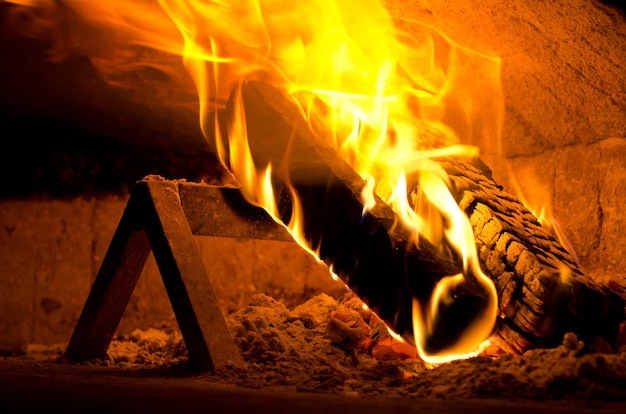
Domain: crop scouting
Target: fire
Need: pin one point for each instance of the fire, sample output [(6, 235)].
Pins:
[(540, 204), (390, 101)]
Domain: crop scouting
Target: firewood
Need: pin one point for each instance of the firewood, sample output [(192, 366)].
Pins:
[(542, 293), (369, 253)]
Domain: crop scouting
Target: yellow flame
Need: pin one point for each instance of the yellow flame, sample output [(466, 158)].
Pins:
[(389, 101)]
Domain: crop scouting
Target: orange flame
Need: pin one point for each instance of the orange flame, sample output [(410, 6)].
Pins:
[(389, 101), (540, 205)]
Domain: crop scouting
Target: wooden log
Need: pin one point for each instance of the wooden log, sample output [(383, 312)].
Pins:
[(538, 301), (370, 253), (542, 292)]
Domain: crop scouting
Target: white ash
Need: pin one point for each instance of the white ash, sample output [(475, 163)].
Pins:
[(285, 348)]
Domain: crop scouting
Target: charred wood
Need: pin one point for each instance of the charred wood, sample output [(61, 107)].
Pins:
[(542, 293), (371, 254)]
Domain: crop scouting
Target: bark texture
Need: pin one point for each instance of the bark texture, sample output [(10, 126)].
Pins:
[(542, 292)]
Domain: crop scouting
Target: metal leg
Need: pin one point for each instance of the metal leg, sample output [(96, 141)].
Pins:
[(154, 219)]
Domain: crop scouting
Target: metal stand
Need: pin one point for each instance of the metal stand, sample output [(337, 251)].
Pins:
[(164, 216)]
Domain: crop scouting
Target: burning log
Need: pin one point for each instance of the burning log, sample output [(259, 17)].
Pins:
[(541, 290), (369, 252), (542, 294)]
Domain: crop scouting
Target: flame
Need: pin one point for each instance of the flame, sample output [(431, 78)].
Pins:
[(540, 205), (390, 101)]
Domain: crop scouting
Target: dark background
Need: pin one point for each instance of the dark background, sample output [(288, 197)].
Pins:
[(66, 132)]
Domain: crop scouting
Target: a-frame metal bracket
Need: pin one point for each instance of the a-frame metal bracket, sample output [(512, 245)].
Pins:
[(163, 216)]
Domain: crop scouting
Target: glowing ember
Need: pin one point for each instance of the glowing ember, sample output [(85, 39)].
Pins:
[(389, 101)]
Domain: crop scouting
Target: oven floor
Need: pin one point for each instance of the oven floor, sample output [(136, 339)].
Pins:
[(33, 386)]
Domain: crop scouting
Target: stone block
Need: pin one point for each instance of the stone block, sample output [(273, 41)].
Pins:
[(45, 269), (612, 200)]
